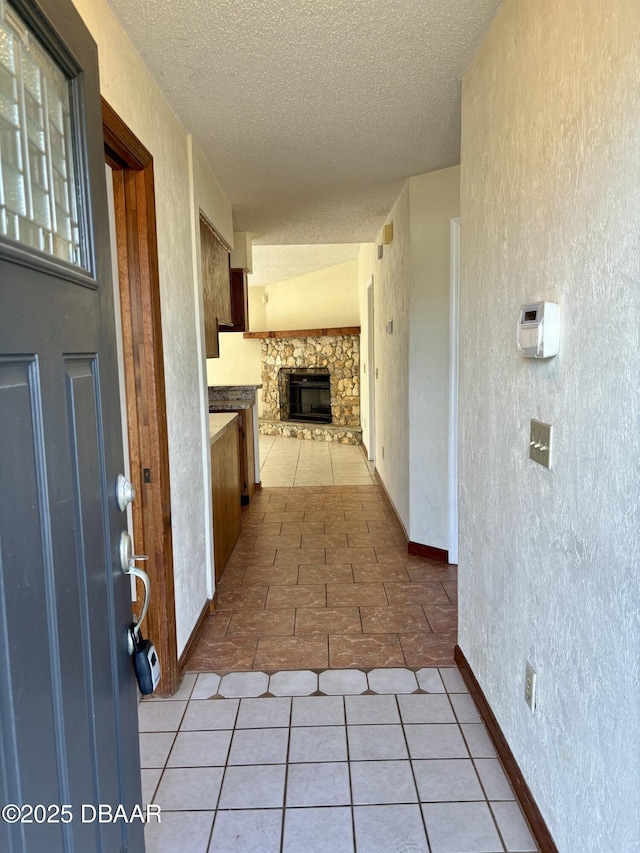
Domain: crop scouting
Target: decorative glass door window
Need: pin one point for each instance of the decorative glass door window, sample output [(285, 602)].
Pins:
[(38, 204)]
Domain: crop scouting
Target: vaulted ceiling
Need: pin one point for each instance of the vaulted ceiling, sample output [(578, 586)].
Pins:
[(313, 113)]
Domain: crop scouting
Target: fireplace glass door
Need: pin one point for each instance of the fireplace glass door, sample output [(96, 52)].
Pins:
[(308, 398)]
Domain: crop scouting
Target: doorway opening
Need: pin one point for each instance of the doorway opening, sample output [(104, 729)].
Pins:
[(137, 254)]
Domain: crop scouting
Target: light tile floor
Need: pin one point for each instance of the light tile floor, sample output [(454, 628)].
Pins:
[(295, 462), (309, 761)]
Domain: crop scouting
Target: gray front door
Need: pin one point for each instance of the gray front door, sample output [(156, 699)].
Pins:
[(68, 727)]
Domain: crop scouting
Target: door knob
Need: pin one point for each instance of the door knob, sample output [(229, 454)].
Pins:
[(125, 492), (127, 557)]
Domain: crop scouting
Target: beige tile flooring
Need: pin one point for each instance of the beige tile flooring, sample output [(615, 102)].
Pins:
[(294, 462), (340, 762)]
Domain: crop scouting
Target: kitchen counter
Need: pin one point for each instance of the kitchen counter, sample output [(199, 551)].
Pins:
[(225, 399), (237, 394), (219, 424)]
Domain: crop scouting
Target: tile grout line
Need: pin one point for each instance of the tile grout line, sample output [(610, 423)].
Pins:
[(413, 773), (286, 776), (216, 810), (480, 782), (348, 745)]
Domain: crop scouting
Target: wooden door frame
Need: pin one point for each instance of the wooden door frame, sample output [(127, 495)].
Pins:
[(134, 198)]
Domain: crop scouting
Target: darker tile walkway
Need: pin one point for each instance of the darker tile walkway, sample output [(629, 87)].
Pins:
[(321, 578)]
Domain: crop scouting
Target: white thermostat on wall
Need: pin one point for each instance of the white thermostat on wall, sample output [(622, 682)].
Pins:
[(538, 332)]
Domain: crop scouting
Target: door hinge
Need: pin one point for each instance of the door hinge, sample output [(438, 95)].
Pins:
[(146, 475)]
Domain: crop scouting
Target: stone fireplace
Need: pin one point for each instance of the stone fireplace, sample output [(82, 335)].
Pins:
[(288, 365)]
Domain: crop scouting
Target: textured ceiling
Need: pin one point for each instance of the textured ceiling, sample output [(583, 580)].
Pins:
[(313, 113), (272, 264)]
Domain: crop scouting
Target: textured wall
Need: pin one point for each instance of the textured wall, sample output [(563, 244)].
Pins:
[(434, 199), (257, 310), (391, 300), (239, 362), (411, 287), (127, 86), (366, 270), (326, 297), (550, 206)]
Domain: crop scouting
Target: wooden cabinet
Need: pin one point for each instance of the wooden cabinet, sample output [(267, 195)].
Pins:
[(225, 487), (246, 450), (241, 399), (216, 289), (239, 302)]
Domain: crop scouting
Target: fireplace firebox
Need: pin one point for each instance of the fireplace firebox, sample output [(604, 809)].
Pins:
[(305, 394)]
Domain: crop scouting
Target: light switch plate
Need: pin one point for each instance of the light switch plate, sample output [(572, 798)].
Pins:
[(540, 443)]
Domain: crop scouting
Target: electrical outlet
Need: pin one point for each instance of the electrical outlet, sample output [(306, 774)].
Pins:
[(530, 687), (540, 443)]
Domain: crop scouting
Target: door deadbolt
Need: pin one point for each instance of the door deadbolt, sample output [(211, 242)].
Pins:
[(125, 492)]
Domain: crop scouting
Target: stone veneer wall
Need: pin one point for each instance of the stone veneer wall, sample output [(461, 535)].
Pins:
[(311, 432), (339, 353)]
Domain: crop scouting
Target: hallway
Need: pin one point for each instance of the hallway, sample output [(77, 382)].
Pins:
[(321, 710), (320, 577)]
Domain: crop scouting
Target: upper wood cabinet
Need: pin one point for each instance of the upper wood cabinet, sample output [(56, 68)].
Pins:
[(216, 290), (239, 302)]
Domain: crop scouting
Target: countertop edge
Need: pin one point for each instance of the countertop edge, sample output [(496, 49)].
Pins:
[(219, 424)]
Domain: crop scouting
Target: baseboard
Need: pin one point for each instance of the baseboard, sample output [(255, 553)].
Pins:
[(532, 812), (258, 486), (365, 451), (195, 636), (429, 551), (387, 498), (213, 604)]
